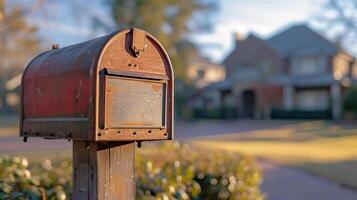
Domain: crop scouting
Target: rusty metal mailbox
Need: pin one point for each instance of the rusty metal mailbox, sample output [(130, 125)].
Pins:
[(114, 88)]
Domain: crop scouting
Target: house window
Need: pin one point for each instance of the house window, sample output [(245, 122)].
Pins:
[(200, 74), (308, 65), (312, 99)]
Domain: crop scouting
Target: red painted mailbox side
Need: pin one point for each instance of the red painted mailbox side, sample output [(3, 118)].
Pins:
[(63, 90)]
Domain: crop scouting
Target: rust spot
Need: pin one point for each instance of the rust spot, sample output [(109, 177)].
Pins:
[(156, 87), (78, 95), (113, 89), (39, 92)]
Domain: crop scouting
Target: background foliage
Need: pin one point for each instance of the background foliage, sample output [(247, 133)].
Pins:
[(18, 42), (339, 19), (173, 171), (172, 22)]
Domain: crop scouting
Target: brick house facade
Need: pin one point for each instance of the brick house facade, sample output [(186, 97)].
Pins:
[(295, 70)]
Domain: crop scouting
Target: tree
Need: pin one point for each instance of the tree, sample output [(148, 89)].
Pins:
[(18, 41), (171, 21), (340, 17)]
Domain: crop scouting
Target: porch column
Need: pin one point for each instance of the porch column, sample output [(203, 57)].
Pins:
[(336, 102), (288, 96)]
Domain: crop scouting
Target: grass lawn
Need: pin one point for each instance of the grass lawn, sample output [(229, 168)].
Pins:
[(324, 148)]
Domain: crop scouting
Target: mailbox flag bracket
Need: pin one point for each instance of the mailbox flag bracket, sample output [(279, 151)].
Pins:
[(138, 44)]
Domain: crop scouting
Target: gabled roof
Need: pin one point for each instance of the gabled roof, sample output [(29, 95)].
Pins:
[(246, 50), (301, 40)]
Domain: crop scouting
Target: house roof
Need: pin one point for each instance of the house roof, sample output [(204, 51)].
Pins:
[(317, 80), (301, 40), (296, 40), (220, 85), (246, 50)]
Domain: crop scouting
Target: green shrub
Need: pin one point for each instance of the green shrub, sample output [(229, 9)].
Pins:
[(171, 171), (216, 113), (18, 180), (281, 113), (191, 173), (350, 101)]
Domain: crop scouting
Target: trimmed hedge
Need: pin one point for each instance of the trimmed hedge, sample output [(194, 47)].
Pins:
[(173, 171), (278, 113), (350, 101), (216, 113)]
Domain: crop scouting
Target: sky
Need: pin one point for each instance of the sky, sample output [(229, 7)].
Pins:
[(262, 17)]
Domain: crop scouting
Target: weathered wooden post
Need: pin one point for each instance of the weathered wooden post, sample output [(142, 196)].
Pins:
[(104, 94)]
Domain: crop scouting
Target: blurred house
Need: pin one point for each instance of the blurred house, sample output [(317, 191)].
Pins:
[(297, 73), (9, 94), (202, 72)]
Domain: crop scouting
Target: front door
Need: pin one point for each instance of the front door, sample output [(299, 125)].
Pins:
[(248, 99)]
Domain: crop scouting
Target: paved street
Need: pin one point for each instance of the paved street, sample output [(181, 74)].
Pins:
[(16, 145), (280, 182)]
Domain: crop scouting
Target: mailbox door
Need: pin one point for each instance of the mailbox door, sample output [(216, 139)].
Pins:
[(134, 103), (133, 108)]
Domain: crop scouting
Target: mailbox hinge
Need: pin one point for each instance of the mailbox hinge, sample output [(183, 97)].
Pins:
[(138, 43)]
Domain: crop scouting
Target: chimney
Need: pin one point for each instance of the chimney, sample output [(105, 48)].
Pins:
[(237, 37)]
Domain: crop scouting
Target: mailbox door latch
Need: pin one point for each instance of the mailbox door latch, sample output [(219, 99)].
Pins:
[(138, 44)]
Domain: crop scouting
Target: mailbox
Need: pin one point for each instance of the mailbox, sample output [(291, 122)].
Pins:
[(114, 88)]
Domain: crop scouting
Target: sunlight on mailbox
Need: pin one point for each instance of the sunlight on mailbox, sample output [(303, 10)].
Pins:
[(114, 88)]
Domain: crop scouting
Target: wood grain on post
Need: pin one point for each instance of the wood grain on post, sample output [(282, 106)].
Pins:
[(103, 171)]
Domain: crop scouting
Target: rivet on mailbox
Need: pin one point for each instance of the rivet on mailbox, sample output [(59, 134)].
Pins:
[(114, 88)]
